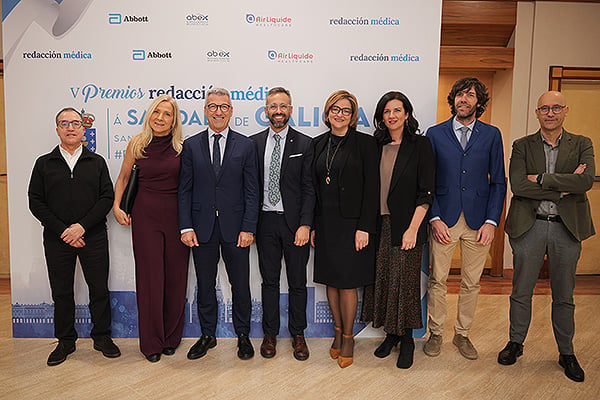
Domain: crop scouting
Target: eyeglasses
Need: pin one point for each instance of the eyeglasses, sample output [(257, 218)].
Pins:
[(212, 107), (556, 109), (274, 107), (336, 110), (65, 124)]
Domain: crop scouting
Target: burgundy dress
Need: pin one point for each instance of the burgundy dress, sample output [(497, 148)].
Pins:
[(161, 260)]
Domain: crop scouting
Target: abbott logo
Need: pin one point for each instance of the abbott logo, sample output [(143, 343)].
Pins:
[(139, 55), (115, 19)]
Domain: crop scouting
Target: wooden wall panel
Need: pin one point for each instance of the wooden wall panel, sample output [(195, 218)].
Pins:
[(476, 58)]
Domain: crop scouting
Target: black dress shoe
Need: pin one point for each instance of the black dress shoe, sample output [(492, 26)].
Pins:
[(168, 351), (107, 347), (572, 369), (386, 347), (245, 349), (508, 355), (200, 348), (153, 357), (60, 353)]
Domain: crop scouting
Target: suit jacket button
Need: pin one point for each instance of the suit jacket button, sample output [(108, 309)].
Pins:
[(463, 189)]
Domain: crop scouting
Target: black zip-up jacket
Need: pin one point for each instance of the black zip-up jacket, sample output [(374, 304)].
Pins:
[(59, 198)]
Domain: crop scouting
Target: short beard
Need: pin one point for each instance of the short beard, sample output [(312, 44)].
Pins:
[(278, 124)]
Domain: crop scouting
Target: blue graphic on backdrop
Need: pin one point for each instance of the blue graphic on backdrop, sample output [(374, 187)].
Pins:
[(37, 320)]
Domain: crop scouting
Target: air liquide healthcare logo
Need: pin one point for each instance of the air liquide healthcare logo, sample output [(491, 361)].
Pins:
[(268, 21), (89, 136), (218, 55), (196, 19), (364, 21), (142, 55), (290, 57), (118, 19)]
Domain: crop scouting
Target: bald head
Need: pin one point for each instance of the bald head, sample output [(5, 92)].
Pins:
[(551, 112), (552, 97)]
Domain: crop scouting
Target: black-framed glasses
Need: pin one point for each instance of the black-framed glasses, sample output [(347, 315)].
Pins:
[(283, 107), (75, 123), (212, 107), (336, 110), (556, 109)]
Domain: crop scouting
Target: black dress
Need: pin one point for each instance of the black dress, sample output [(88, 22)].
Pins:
[(337, 263)]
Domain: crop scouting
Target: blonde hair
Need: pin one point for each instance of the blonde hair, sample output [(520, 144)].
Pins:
[(141, 141), (337, 96)]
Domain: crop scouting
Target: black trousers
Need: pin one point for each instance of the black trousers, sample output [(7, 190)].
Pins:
[(274, 239), (60, 260), (237, 265)]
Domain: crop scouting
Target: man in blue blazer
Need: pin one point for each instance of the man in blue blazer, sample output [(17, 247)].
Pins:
[(218, 211), (469, 196), (288, 201)]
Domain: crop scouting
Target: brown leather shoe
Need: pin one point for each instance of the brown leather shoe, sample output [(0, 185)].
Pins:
[(268, 346), (300, 348)]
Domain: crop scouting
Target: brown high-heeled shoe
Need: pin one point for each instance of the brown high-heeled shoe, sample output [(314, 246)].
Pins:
[(346, 361), (333, 352)]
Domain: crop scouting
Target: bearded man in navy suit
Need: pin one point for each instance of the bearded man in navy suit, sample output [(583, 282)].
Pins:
[(470, 186), (218, 213)]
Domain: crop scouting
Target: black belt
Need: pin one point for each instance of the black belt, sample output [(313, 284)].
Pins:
[(549, 218), (272, 212)]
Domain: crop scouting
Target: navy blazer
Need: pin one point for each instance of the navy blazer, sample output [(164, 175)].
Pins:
[(233, 195), (473, 180), (295, 179)]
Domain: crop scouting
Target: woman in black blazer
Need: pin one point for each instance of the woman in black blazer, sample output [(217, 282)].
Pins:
[(406, 171), (347, 189)]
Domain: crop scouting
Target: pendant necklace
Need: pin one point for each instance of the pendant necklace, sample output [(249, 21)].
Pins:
[(328, 162)]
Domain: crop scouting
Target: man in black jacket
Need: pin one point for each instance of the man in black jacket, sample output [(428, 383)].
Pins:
[(287, 205), (70, 192)]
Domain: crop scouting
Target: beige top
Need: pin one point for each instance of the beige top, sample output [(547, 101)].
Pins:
[(386, 167)]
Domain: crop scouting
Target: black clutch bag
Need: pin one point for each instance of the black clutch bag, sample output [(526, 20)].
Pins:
[(130, 190)]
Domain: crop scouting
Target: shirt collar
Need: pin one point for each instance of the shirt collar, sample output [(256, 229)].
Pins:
[(223, 133), (283, 133), (557, 140), (457, 125)]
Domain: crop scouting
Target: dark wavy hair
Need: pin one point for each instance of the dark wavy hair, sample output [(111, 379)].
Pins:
[(411, 125), (466, 84)]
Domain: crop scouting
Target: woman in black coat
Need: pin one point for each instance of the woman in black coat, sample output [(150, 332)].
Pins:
[(406, 172), (347, 188)]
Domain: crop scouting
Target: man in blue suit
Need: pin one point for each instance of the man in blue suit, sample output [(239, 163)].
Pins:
[(218, 211), (469, 196)]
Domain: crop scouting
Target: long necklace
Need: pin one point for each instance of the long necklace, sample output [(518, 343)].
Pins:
[(328, 162)]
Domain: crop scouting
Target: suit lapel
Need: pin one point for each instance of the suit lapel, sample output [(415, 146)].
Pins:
[(205, 152), (537, 150), (345, 150), (564, 150), (407, 147), (261, 142), (229, 149), (451, 136), (475, 135), (290, 146)]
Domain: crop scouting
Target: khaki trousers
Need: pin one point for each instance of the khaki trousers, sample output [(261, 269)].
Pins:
[(473, 258)]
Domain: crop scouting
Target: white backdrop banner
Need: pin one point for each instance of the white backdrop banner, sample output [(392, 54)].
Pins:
[(111, 58)]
